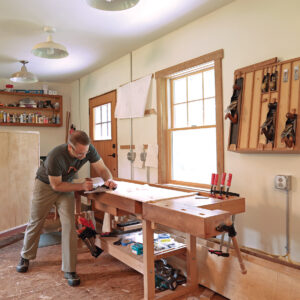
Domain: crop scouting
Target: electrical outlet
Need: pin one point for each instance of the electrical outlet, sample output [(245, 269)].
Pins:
[(282, 182)]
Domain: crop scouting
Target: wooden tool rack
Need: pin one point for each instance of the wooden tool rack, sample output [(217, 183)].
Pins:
[(246, 135), (195, 217)]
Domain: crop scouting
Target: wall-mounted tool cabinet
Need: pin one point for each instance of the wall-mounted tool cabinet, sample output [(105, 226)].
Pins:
[(264, 109)]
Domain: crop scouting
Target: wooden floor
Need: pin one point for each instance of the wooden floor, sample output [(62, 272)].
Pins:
[(102, 278)]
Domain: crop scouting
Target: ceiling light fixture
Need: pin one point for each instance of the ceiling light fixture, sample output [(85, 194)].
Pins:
[(24, 76), (112, 5), (49, 49)]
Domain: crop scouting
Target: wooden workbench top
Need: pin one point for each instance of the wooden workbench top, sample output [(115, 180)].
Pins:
[(199, 217)]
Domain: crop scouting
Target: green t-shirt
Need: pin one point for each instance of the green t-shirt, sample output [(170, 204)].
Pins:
[(60, 163)]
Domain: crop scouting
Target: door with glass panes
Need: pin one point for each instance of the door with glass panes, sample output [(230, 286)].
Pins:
[(103, 129)]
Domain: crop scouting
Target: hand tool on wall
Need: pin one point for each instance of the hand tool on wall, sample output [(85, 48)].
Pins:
[(228, 184), (268, 127), (288, 135), (273, 81), (265, 83)]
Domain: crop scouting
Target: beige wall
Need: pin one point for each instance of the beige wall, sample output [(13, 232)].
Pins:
[(49, 136), (249, 32)]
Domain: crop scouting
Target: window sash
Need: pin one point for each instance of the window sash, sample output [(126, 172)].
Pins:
[(187, 101)]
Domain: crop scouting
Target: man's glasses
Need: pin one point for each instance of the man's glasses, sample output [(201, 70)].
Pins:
[(79, 154)]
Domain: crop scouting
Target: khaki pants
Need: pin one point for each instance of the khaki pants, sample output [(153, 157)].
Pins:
[(44, 197)]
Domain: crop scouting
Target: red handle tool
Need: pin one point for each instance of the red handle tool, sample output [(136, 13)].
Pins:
[(216, 183), (212, 182), (228, 184), (222, 184)]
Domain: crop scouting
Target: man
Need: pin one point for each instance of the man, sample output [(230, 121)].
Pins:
[(53, 186)]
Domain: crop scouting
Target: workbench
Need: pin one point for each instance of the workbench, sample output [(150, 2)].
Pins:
[(175, 208)]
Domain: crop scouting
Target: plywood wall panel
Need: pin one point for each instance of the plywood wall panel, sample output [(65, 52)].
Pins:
[(256, 107), (6, 205), (246, 111), (19, 163)]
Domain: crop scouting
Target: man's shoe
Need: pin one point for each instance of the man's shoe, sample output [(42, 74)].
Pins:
[(73, 278), (23, 265)]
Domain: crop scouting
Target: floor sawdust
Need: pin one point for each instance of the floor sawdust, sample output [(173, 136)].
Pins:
[(103, 278)]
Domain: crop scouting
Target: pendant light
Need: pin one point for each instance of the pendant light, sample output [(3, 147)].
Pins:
[(24, 76), (49, 49), (112, 5)]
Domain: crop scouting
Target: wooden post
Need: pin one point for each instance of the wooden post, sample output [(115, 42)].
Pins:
[(191, 260), (148, 258), (237, 250), (239, 255)]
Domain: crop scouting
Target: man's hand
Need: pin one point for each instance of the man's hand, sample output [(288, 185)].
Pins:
[(87, 185), (110, 184)]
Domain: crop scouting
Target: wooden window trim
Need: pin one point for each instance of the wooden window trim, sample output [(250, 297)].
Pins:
[(162, 76)]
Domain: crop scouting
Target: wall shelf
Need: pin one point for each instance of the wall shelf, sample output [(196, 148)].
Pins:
[(38, 114), (31, 124)]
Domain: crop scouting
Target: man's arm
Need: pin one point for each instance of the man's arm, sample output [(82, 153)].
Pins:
[(58, 185), (102, 171)]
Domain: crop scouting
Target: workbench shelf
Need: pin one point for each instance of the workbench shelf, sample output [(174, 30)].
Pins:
[(39, 110), (256, 107), (124, 253)]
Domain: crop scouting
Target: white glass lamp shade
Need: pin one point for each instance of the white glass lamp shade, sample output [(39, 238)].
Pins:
[(112, 5), (50, 50), (23, 76)]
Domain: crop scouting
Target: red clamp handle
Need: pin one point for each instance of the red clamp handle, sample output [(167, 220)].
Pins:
[(223, 179), (229, 179), (213, 178), (216, 179)]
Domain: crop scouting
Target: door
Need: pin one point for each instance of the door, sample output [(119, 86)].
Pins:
[(103, 129)]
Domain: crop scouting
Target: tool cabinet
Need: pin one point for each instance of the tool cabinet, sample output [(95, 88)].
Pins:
[(258, 92)]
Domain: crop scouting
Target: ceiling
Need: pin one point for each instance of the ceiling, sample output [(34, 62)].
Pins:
[(92, 37)]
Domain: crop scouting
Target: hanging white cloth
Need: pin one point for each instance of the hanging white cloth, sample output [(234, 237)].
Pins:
[(152, 156), (132, 98), (137, 162)]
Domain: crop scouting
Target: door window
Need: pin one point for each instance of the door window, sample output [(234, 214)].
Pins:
[(102, 122)]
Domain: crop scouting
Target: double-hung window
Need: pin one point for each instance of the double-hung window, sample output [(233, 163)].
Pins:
[(192, 143)]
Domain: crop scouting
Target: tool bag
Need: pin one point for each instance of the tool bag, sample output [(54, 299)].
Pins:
[(166, 277)]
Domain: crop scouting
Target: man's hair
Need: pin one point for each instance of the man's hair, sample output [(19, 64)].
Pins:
[(79, 137)]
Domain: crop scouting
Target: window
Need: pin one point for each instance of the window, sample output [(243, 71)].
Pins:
[(102, 122), (192, 133), (191, 120)]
